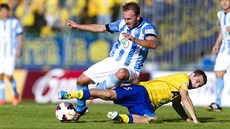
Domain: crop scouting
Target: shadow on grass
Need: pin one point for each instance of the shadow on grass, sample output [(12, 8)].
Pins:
[(94, 121), (89, 121), (159, 121), (202, 120), (210, 119)]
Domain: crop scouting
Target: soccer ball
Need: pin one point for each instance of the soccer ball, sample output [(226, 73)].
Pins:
[(65, 112)]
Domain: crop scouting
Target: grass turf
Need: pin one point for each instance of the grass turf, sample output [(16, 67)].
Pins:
[(30, 115)]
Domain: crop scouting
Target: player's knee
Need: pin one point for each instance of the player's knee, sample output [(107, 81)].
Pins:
[(1, 76), (80, 81), (220, 74), (9, 77), (83, 80), (122, 74)]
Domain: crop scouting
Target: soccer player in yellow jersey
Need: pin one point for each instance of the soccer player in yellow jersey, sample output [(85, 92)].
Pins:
[(143, 99)]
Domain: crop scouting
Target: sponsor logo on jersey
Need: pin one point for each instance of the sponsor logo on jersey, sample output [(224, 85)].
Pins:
[(149, 31), (125, 42)]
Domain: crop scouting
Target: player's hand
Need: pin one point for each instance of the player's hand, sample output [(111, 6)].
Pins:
[(189, 120), (128, 36), (71, 24), (215, 49), (19, 54), (194, 121), (197, 122)]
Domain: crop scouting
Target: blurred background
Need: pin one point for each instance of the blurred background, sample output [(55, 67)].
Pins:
[(54, 55), (187, 30)]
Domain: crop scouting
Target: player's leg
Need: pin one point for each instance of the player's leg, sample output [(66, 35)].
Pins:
[(15, 100), (82, 84), (222, 64), (130, 118), (2, 83), (9, 70), (219, 86), (89, 94), (2, 90), (143, 119), (122, 75), (93, 75), (136, 99), (114, 79)]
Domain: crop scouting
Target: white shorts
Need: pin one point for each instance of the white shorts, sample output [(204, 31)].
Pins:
[(7, 65), (103, 69), (222, 62)]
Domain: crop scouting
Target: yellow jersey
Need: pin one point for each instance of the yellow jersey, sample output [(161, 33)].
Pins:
[(164, 89)]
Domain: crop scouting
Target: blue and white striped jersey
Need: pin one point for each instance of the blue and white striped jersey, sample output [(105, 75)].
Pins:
[(127, 52), (9, 30), (224, 20)]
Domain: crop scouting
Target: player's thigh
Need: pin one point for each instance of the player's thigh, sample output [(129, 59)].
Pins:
[(135, 98), (101, 70), (8, 66), (83, 80), (222, 62), (131, 93)]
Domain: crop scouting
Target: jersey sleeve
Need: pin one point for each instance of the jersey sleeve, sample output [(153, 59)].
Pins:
[(18, 28), (149, 30), (113, 27), (219, 14), (185, 82), (185, 86)]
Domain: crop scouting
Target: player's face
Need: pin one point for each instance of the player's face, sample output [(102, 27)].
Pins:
[(196, 81), (4, 13), (225, 4), (131, 19)]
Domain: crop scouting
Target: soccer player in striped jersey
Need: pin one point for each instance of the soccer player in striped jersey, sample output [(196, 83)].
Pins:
[(127, 55), (11, 41), (142, 100), (222, 46)]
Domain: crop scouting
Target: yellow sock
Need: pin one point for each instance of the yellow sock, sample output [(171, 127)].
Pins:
[(77, 94), (125, 118)]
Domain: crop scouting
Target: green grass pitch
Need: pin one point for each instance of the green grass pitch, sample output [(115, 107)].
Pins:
[(30, 115)]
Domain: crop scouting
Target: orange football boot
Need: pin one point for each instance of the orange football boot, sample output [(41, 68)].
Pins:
[(15, 101), (2, 102)]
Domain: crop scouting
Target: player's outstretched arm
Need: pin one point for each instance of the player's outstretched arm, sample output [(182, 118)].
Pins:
[(86, 27), (188, 105)]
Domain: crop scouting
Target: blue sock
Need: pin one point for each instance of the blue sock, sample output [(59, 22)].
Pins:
[(81, 103), (108, 83), (130, 118), (2, 90), (14, 87), (219, 90), (86, 95)]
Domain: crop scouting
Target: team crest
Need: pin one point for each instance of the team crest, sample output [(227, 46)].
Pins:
[(125, 42)]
